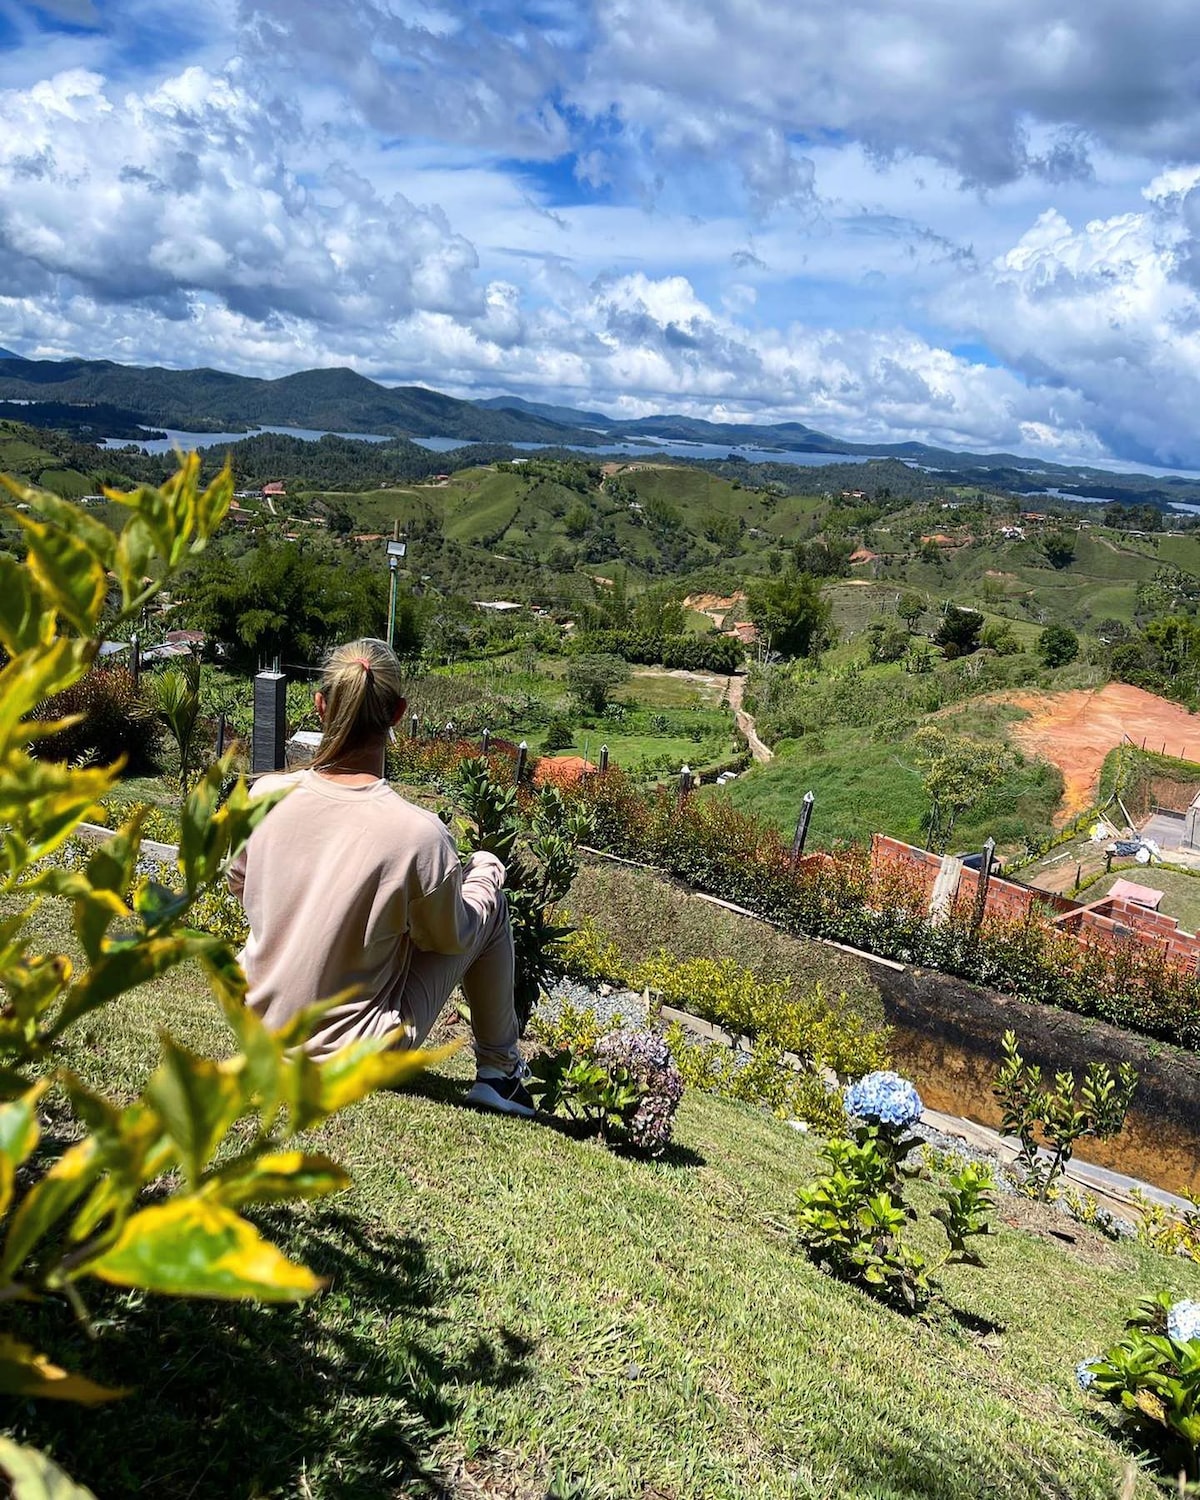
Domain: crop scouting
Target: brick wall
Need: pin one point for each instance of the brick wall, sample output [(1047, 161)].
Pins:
[(1009, 900)]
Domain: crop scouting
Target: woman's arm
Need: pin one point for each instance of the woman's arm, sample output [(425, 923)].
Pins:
[(446, 919)]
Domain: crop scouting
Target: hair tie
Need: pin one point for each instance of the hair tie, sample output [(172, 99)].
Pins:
[(364, 664)]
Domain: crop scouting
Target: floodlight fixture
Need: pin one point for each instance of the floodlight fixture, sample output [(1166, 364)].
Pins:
[(397, 548)]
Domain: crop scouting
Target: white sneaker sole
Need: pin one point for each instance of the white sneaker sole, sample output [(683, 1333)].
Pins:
[(487, 1097)]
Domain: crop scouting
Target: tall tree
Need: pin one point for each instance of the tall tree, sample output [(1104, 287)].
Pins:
[(791, 613)]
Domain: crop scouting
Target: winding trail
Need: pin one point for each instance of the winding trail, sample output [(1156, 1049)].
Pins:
[(745, 722)]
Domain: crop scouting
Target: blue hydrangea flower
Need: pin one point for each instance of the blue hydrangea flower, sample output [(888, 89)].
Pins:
[(885, 1097), (1085, 1374), (1183, 1322)]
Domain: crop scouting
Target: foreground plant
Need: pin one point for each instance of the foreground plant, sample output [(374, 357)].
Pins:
[(73, 1205), (854, 1220), (540, 867), (1060, 1113), (1152, 1377)]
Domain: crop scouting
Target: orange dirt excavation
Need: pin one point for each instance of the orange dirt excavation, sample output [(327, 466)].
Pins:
[(1076, 730)]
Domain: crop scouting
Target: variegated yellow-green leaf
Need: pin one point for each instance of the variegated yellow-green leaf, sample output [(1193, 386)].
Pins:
[(25, 1372), (191, 1247), (197, 1100), (34, 988), (276, 1178), (24, 624), (354, 1072), (43, 802), (19, 1134), (69, 572), (207, 837), (47, 1201), (119, 969), (36, 675), (33, 1476)]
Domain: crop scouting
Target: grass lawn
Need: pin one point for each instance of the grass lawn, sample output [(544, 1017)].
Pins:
[(512, 1311)]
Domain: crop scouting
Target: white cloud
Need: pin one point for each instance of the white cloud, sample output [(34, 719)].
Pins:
[(1108, 309), (970, 86), (185, 191)]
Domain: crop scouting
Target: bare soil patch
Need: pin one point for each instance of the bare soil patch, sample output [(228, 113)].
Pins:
[(1076, 730), (1078, 1240)]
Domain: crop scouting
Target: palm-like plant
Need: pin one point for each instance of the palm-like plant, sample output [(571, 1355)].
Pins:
[(177, 702)]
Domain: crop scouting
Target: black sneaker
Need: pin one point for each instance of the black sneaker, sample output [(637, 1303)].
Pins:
[(507, 1096)]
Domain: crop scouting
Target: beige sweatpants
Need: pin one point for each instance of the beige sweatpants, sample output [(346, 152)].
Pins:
[(485, 974)]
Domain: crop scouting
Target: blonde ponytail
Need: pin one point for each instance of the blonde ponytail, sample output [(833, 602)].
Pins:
[(363, 687)]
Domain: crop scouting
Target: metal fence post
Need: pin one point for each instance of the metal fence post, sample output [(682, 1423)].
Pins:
[(135, 658), (485, 742), (603, 759), (522, 761)]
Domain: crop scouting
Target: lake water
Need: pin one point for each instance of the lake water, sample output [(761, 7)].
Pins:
[(176, 438), (650, 447)]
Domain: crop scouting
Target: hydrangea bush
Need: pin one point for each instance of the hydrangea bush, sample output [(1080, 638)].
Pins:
[(646, 1058), (886, 1098), (626, 1086), (1152, 1377), (854, 1221)]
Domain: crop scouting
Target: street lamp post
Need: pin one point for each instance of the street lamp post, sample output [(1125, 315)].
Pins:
[(396, 549)]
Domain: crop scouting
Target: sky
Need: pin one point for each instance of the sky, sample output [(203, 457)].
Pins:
[(974, 225)]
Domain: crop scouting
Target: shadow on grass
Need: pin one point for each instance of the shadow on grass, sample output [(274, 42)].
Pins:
[(342, 1396), (443, 1090)]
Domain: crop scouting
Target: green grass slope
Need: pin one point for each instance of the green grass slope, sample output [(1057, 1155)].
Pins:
[(512, 1311)]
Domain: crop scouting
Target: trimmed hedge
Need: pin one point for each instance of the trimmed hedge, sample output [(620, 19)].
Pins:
[(694, 653)]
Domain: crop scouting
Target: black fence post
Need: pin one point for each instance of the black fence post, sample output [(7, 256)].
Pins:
[(522, 761), (984, 879), (270, 722), (802, 822)]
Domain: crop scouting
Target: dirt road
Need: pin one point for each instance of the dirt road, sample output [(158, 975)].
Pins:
[(745, 722), (1076, 730)]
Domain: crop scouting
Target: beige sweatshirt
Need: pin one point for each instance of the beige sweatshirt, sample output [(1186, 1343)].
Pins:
[(339, 885)]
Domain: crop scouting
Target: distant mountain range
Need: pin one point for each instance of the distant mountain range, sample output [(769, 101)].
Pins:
[(340, 400)]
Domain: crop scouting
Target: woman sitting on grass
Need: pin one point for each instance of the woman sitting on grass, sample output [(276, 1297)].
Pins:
[(348, 886)]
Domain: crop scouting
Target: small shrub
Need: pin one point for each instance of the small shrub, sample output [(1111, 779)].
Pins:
[(626, 1087), (570, 1029), (1159, 1228), (762, 1078), (1085, 1209), (115, 722), (854, 1220), (587, 956), (560, 735), (1054, 1112), (1152, 1377)]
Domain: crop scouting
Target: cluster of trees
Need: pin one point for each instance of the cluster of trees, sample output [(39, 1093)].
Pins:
[(1162, 657), (1133, 517), (791, 613), (290, 602)]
